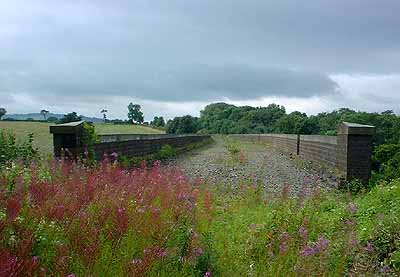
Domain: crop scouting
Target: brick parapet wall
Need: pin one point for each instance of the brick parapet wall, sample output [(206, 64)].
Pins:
[(349, 153), (146, 146)]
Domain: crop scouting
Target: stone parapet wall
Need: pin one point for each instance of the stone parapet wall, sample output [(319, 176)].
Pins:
[(319, 149), (145, 146), (349, 153)]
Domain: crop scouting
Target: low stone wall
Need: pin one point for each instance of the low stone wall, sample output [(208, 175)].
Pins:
[(69, 136), (319, 149), (285, 142), (137, 146), (349, 153)]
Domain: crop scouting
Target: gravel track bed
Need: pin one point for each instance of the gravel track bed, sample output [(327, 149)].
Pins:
[(262, 164)]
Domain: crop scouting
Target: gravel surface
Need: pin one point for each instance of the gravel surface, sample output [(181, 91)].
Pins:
[(258, 163)]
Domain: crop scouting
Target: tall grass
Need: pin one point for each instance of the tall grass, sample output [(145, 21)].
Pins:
[(70, 219), (66, 219)]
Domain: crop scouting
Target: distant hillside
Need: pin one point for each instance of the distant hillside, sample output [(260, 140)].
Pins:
[(38, 116)]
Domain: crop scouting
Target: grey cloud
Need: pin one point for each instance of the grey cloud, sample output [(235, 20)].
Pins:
[(179, 50), (191, 82)]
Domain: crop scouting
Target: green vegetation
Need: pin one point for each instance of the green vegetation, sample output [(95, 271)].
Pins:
[(166, 152), (61, 218), (135, 114), (222, 118), (43, 140), (3, 112), (66, 219), (11, 151), (158, 121), (71, 117), (183, 125)]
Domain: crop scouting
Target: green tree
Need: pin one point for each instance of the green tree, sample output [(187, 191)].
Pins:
[(134, 113), (44, 113), (3, 112), (104, 113), (183, 125), (158, 121), (295, 123), (71, 117)]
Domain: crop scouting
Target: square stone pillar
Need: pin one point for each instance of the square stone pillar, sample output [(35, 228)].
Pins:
[(355, 146), (67, 136)]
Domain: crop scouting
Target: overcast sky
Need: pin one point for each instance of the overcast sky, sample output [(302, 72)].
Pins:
[(175, 56)]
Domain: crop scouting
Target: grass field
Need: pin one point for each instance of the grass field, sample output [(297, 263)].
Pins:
[(43, 140)]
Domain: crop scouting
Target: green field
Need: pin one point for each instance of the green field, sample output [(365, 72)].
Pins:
[(43, 140)]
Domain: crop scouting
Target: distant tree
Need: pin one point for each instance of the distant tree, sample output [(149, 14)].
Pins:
[(71, 117), (104, 112), (158, 121), (3, 112), (183, 125), (44, 113), (134, 113)]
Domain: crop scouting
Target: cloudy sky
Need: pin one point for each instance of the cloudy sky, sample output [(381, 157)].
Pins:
[(175, 56)]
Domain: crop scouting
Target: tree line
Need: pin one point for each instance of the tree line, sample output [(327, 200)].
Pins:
[(222, 118)]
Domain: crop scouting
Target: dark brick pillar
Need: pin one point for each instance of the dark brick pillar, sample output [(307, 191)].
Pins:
[(354, 146), (67, 137)]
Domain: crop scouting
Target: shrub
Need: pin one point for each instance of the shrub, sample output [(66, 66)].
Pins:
[(232, 148), (166, 152), (11, 151)]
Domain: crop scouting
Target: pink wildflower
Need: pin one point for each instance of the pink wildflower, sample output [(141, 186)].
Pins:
[(322, 244), (303, 232), (198, 251), (369, 248), (308, 251)]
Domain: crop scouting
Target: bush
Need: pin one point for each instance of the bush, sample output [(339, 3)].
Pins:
[(166, 152), (387, 162), (11, 151)]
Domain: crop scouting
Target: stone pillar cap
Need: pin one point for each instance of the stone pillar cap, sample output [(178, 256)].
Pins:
[(67, 128), (347, 128)]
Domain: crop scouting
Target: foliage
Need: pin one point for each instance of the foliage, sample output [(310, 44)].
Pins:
[(134, 113), (164, 154), (221, 118), (89, 138), (325, 234), (158, 121), (64, 219), (3, 112), (71, 117), (166, 151), (183, 125), (236, 154), (386, 161), (104, 113), (61, 219), (354, 186), (296, 123), (11, 151), (44, 113)]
